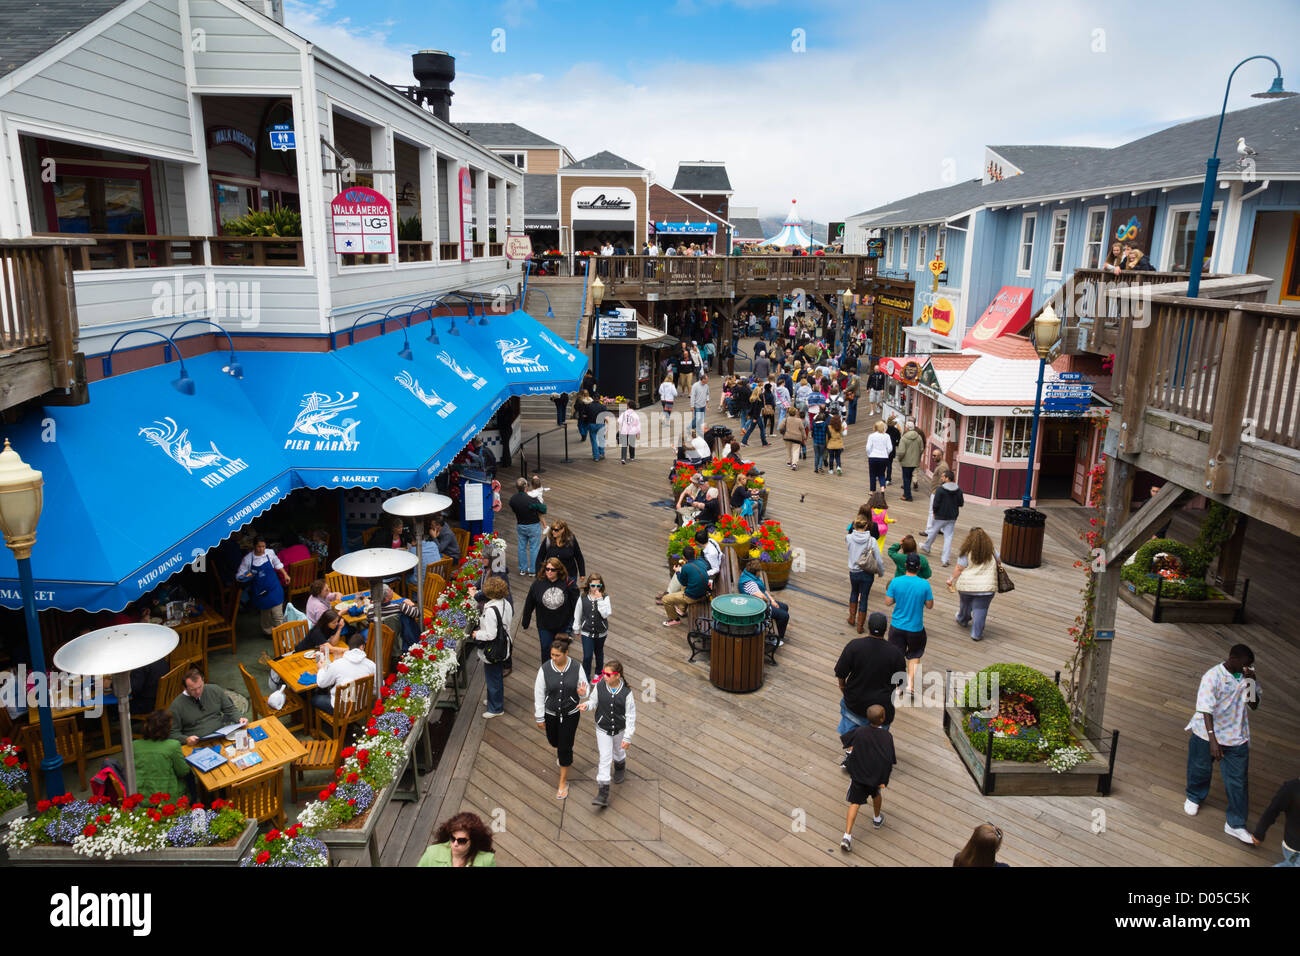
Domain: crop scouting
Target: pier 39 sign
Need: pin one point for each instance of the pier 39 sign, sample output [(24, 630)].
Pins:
[(598, 202)]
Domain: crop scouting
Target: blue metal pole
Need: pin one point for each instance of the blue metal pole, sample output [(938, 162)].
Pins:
[(51, 763), (523, 295), (1033, 436)]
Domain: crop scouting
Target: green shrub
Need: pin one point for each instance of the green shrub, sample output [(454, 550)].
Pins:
[(410, 229), (679, 539), (1194, 562), (1053, 714), (279, 221)]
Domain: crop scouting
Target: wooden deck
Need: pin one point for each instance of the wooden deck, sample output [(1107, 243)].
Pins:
[(753, 779)]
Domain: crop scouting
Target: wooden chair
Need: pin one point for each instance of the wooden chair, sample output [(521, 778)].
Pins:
[(261, 709), (434, 585), (367, 535), (192, 647), (260, 797), (341, 583), (352, 702), (443, 567), (285, 637), (301, 575), (170, 686), (321, 755), (67, 741), (462, 541), (222, 637), (386, 649)]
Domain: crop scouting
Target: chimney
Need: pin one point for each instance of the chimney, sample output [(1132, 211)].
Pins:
[(434, 70)]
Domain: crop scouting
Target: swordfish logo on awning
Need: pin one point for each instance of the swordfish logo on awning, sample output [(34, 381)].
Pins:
[(429, 397), (514, 359), (177, 446), (317, 420), (466, 373)]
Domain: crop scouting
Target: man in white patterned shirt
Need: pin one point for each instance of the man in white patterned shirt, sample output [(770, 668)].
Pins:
[(1221, 732)]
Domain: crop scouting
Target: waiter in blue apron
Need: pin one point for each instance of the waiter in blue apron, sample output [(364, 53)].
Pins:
[(266, 577)]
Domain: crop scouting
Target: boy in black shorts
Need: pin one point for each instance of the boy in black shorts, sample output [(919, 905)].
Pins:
[(869, 766)]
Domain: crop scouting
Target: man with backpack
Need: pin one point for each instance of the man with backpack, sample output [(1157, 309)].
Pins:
[(493, 639)]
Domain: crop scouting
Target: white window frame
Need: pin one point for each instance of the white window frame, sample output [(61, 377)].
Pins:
[(1022, 270), (922, 240), (1171, 214), (1017, 431), (889, 248), (1057, 214), (941, 243), (513, 159), (942, 422), (968, 437), (1101, 245), (904, 249)]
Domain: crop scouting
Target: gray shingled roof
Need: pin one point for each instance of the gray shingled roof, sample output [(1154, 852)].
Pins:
[(30, 27), (1040, 157), (928, 206), (747, 229), (693, 179), (504, 134), (602, 160), (541, 195)]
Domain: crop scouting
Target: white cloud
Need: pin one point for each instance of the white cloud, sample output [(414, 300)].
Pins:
[(875, 121)]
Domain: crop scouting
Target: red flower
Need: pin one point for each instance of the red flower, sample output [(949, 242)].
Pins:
[(353, 777), (42, 805), (352, 803), (372, 723), (168, 809), (406, 692), (104, 818), (402, 669), (218, 804), (263, 858), (388, 681), (418, 653), (156, 798), (10, 760), (386, 691), (323, 795), (273, 836), (90, 830), (379, 709), (371, 732), (183, 802), (363, 756), (294, 830), (348, 752)]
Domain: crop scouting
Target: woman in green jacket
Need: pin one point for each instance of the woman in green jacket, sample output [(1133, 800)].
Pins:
[(159, 766), (464, 840), (899, 551), (910, 448)]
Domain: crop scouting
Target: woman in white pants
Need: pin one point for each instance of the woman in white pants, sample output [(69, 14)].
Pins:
[(615, 707)]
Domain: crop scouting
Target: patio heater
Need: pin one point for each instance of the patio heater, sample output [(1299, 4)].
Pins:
[(419, 507), (376, 565), (116, 651)]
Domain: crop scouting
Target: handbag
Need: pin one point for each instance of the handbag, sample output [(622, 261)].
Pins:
[(1005, 583)]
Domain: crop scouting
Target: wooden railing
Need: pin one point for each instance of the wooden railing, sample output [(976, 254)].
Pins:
[(679, 273), (478, 250), (1231, 366), (1090, 315), (448, 251), (255, 251), (496, 248), (414, 251), (116, 251), (37, 303)]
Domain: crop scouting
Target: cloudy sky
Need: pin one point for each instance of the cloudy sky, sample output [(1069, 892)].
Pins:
[(842, 105)]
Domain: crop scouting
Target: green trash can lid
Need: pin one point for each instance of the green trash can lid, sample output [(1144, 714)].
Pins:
[(738, 609)]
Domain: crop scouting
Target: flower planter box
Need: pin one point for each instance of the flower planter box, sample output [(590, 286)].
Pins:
[(358, 843), (228, 855), (1219, 608), (1004, 778), (778, 573)]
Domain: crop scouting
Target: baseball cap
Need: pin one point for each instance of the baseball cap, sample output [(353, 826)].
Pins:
[(877, 623), (913, 562)]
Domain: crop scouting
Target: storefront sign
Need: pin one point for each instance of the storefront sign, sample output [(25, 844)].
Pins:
[(1008, 312), (594, 202), (466, 216), (1132, 227), (363, 222), (895, 302), (686, 228), (616, 327), (282, 138), (229, 136), (937, 268), (519, 247), (876, 247)]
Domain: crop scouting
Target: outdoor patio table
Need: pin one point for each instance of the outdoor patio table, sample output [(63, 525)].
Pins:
[(291, 668), (278, 749)]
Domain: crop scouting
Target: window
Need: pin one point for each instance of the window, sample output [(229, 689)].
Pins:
[(1182, 237), (1015, 438), (942, 424), (922, 235), (519, 159), (979, 436), (1094, 239), (1026, 258), (1291, 272), (907, 245), (1056, 245), (941, 243), (889, 249)]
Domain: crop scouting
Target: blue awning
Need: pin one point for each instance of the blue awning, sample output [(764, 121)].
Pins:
[(143, 479)]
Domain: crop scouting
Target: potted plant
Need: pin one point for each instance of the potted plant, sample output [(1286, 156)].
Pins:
[(277, 221), (733, 532), (772, 547), (680, 478), (290, 848), (678, 540), (727, 470), (14, 782)]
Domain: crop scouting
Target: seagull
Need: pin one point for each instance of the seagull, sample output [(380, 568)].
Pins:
[(1243, 149)]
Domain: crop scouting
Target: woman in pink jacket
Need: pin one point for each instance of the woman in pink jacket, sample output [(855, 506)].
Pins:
[(629, 427)]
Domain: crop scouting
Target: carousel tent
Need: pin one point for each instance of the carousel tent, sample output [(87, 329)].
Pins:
[(792, 233)]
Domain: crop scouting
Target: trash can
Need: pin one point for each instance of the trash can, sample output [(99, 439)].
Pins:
[(1022, 537), (736, 649)]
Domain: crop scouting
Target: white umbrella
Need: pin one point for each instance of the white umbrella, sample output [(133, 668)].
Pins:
[(376, 565), (418, 506)]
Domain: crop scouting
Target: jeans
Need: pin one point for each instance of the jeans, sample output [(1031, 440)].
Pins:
[(852, 417), (781, 615), (833, 458), (597, 433), (593, 647), (582, 430), (946, 528), (907, 482), (889, 468), (877, 468), (494, 678), (1235, 766), (860, 583), (849, 721), (1289, 857), (323, 701), (819, 452), (530, 539), (697, 418), (762, 430), (546, 637), (973, 609)]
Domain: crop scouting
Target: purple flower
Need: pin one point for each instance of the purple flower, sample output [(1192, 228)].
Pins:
[(72, 819), (361, 792), (394, 722)]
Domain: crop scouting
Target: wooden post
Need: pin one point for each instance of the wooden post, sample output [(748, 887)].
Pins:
[(61, 315), (1141, 354), (1095, 667), (1230, 557), (1230, 395)]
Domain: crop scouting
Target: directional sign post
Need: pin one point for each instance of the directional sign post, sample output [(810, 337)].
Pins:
[(282, 137)]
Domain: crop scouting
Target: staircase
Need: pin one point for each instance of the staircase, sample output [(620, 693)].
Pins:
[(565, 298)]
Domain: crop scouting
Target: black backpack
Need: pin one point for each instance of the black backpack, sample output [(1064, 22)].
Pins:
[(497, 650)]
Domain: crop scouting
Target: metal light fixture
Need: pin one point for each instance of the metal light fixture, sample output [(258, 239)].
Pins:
[(184, 384), (597, 293), (550, 313), (405, 351), (1047, 329), (428, 305), (847, 298), (231, 368), (1274, 92)]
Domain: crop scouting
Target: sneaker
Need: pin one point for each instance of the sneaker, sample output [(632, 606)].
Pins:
[(1241, 833), (1191, 808), (846, 844), (878, 822), (488, 715)]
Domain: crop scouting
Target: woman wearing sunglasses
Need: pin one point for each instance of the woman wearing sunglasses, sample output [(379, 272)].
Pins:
[(553, 597), (615, 707), (464, 840), (591, 622), (557, 705)]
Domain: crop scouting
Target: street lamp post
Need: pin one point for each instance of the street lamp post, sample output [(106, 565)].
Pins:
[(1046, 329), (1274, 92), (597, 297), (21, 497)]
